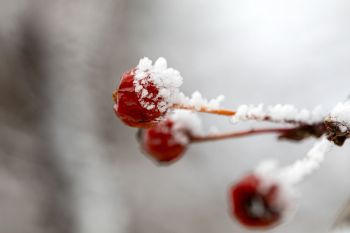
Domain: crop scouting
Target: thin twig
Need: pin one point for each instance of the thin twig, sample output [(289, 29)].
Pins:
[(251, 132), (224, 112)]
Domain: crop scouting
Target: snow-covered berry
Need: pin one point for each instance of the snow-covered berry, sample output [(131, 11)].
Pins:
[(257, 202), (146, 92), (160, 142), (168, 140), (128, 107)]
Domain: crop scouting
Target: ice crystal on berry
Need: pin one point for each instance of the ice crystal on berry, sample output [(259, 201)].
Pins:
[(146, 92), (166, 80)]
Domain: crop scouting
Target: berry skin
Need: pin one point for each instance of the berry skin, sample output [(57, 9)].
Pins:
[(162, 143), (255, 205), (128, 106)]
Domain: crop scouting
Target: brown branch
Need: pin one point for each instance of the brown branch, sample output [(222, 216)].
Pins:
[(224, 112), (214, 137), (295, 134)]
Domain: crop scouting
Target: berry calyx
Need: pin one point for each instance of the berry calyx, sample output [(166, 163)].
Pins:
[(145, 93), (257, 203), (163, 142)]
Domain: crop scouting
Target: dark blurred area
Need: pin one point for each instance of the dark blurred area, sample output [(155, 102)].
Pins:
[(68, 165)]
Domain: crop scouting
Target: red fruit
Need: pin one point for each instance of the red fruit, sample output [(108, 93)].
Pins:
[(164, 143), (128, 104), (256, 203)]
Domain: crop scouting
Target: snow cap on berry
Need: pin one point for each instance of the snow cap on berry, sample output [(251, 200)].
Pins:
[(166, 80)]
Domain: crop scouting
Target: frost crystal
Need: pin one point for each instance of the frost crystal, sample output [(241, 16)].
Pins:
[(295, 172), (305, 166), (288, 176), (166, 80), (278, 113), (198, 101), (185, 122), (268, 171), (341, 113)]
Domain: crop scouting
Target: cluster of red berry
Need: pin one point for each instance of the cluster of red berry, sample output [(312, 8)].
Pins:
[(256, 200), (156, 135)]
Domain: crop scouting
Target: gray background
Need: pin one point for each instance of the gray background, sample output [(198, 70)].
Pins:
[(70, 166)]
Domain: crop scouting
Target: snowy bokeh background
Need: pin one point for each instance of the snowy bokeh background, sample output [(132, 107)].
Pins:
[(252, 51)]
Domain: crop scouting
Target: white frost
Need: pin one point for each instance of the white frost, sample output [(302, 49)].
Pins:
[(279, 113), (287, 177), (185, 122), (268, 172), (295, 172), (341, 113), (198, 101), (305, 166), (167, 80)]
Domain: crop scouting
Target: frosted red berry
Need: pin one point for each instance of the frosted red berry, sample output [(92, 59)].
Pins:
[(257, 205), (128, 106), (162, 142)]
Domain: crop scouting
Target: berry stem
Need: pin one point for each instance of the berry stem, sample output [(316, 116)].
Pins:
[(223, 112), (115, 95), (214, 137)]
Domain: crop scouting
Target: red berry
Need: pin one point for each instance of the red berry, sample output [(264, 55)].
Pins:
[(128, 106), (163, 142), (146, 92), (257, 203)]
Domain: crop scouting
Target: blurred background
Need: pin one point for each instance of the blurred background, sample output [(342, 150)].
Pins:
[(68, 165)]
